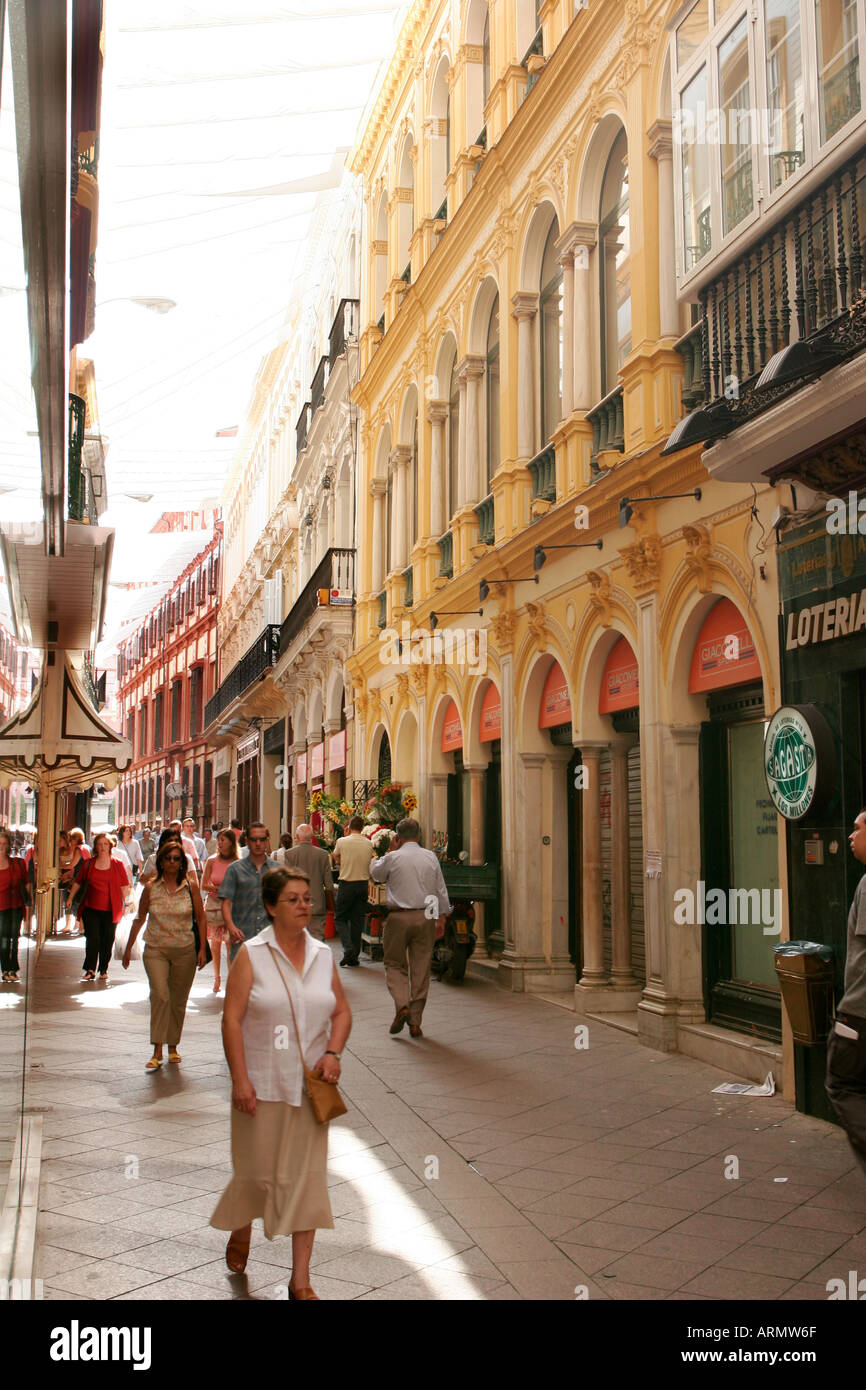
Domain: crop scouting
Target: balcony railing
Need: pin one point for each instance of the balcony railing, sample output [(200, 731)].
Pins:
[(302, 429), (335, 573), (543, 470), (262, 655), (689, 348), (486, 522), (89, 683), (802, 282), (536, 47), (841, 97), (406, 274), (380, 324), (446, 555), (608, 426), (344, 326), (441, 215), (317, 387), (409, 591), (77, 484), (382, 615)]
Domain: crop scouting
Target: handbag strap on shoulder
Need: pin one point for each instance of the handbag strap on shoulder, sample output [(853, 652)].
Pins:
[(291, 1002)]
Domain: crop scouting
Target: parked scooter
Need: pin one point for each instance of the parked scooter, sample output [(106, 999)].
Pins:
[(453, 949)]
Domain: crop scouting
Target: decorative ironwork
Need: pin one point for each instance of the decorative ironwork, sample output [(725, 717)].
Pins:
[(536, 47), (543, 470), (77, 483), (317, 387), (345, 325), (406, 274), (446, 555), (608, 426), (382, 616), (409, 591), (689, 348), (301, 430), (841, 97), (486, 521), (381, 324), (261, 656), (441, 215)]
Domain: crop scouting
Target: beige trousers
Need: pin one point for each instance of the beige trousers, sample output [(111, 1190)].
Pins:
[(171, 971), (407, 944)]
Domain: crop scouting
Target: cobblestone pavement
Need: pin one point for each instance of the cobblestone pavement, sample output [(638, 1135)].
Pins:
[(489, 1159)]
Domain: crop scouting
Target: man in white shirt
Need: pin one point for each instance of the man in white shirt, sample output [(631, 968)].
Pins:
[(418, 904), (200, 848)]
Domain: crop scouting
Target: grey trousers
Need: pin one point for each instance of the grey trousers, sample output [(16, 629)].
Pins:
[(407, 944), (317, 927), (846, 1083)]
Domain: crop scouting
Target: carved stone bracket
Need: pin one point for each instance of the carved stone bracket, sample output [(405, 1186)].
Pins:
[(504, 626), (643, 560), (698, 553), (599, 597), (537, 625)]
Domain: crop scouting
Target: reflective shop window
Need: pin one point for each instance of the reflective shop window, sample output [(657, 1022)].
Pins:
[(838, 64)]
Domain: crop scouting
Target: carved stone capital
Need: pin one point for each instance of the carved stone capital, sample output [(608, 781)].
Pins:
[(698, 552), (643, 560), (437, 411), (537, 624), (524, 304), (504, 626), (599, 595)]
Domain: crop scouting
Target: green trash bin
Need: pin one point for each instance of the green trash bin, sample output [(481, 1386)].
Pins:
[(806, 979)]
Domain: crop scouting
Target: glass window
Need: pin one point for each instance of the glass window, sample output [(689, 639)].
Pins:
[(754, 858), (413, 487), (388, 497), (697, 214), (551, 336), (786, 130), (485, 60), (736, 122), (492, 384), (692, 32), (614, 264), (838, 64), (453, 441)]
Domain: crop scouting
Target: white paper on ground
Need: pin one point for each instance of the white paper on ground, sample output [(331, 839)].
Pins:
[(743, 1088)]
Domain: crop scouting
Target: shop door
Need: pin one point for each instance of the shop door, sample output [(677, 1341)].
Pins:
[(575, 839), (493, 843), (604, 780), (635, 852)]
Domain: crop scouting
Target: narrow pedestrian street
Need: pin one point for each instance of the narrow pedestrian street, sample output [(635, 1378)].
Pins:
[(490, 1159)]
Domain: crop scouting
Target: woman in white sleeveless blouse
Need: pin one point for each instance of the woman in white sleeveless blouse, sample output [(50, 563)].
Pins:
[(279, 1151)]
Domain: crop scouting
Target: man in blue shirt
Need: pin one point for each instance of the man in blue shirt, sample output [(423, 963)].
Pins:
[(243, 910)]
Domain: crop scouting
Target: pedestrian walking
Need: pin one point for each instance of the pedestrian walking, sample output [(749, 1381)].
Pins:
[(189, 830), (352, 855), (214, 873), (285, 845), (316, 864), (148, 869), (211, 846), (14, 907), (173, 909), (279, 1150), (846, 1049), (241, 889), (130, 848), (418, 903), (99, 895)]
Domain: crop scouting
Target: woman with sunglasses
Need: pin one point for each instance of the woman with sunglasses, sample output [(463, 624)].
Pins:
[(170, 904)]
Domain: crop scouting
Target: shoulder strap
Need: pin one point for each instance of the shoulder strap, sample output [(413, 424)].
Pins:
[(291, 1002)]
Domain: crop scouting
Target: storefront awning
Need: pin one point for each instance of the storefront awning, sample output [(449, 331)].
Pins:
[(491, 715), (452, 730), (59, 740), (724, 651), (555, 700), (619, 680)]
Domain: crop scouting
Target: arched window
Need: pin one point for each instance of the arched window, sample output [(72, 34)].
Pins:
[(440, 140), (389, 497), (614, 265), (551, 335), (380, 258), (383, 770), (453, 441), (491, 382), (485, 58), (414, 491)]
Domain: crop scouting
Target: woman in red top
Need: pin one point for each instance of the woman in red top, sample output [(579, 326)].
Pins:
[(99, 890), (14, 897)]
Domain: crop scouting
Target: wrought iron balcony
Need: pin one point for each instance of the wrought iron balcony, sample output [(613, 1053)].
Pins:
[(409, 591), (482, 138), (535, 48), (406, 275), (486, 521), (301, 429), (260, 657), (382, 615), (840, 96), (689, 348), (705, 238), (88, 681), (381, 324), (76, 482), (543, 470), (608, 426), (335, 574), (442, 214), (317, 388), (796, 295), (344, 326), (446, 555)]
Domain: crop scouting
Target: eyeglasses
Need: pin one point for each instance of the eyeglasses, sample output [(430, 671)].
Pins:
[(172, 859), (257, 839), (306, 900)]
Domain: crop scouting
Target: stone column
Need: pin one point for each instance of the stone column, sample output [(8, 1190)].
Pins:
[(509, 896), (662, 151), (299, 792), (525, 308), (462, 489), (438, 802), (620, 915), (476, 814), (567, 263), (580, 238), (592, 925), (471, 371), (400, 461), (437, 414), (378, 489)]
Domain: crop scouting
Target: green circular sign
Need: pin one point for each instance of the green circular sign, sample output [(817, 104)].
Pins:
[(797, 758)]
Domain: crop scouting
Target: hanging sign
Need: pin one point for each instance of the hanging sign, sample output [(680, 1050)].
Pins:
[(452, 730), (491, 715), (799, 760), (724, 652), (619, 680), (555, 701), (337, 751)]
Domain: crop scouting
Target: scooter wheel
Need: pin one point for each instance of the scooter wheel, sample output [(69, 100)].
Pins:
[(457, 964)]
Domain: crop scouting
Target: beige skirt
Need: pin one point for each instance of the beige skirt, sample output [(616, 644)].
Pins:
[(279, 1159)]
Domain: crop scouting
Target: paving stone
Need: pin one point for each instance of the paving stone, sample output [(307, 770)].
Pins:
[(737, 1284), (656, 1272)]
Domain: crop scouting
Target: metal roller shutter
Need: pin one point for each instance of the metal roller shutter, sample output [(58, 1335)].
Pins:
[(604, 796), (635, 849)]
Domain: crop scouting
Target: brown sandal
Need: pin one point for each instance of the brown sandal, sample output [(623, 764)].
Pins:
[(297, 1295), (238, 1250)]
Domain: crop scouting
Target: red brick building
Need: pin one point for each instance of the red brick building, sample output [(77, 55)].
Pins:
[(166, 672)]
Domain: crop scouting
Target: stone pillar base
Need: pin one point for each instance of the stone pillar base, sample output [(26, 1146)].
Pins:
[(657, 1025), (605, 999), (535, 975)]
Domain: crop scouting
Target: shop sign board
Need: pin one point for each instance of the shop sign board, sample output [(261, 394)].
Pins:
[(452, 730), (724, 652), (301, 769), (491, 715), (317, 761), (619, 680), (799, 760), (337, 751), (555, 700)]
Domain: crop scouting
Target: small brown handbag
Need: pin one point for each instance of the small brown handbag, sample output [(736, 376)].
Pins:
[(324, 1095)]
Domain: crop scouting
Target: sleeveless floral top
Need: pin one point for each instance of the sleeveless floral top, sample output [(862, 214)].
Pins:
[(169, 917)]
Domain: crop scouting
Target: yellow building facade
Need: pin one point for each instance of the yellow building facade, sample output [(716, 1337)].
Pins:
[(536, 633)]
